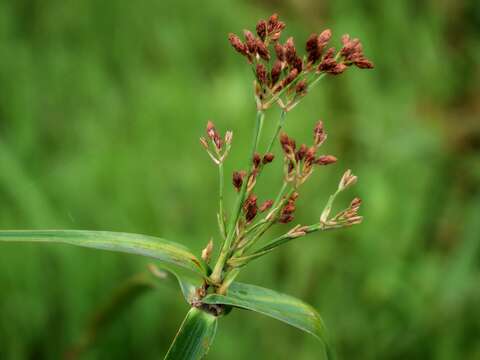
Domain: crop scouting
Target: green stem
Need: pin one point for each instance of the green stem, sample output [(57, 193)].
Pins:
[(267, 224), (222, 259), (243, 260), (280, 124), (229, 277), (221, 214)]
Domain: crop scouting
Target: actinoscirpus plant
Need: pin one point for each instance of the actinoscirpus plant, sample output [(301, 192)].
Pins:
[(282, 78)]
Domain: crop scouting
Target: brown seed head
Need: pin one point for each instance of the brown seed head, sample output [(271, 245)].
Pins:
[(326, 160), (280, 51), (262, 29), (290, 77), (355, 204), (348, 179), (237, 179), (262, 50), (311, 45), (250, 41), (274, 27), (288, 144), (351, 47), (238, 44), (276, 71), (256, 160), (301, 87), (267, 204), (300, 155), (298, 64), (250, 208), (290, 51), (261, 71), (294, 196), (364, 63), (338, 69), (268, 158), (272, 22), (319, 134), (328, 62), (323, 39)]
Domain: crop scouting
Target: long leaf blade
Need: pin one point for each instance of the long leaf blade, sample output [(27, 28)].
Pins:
[(282, 307), (194, 337), (144, 245)]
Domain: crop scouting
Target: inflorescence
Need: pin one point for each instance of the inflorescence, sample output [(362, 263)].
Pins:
[(281, 77)]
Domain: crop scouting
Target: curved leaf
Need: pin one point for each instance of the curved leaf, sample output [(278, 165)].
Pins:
[(188, 282), (194, 337), (144, 245), (279, 306)]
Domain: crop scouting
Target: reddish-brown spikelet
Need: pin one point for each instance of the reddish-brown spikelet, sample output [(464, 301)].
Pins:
[(290, 51), (302, 150), (267, 204), (272, 22), (326, 160), (286, 214), (250, 208), (214, 135), (328, 62), (290, 77), (338, 69), (319, 133), (323, 40), (280, 51), (311, 44), (298, 64), (312, 48), (250, 41), (238, 44), (355, 204), (237, 179), (364, 63), (274, 27), (262, 50), (288, 144), (351, 47), (256, 160), (310, 155), (301, 87), (276, 71), (268, 158), (262, 29), (261, 71)]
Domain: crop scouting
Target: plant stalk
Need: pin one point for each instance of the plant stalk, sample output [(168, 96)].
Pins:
[(223, 257)]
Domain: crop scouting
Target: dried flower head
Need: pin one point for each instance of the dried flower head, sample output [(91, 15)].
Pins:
[(237, 179), (250, 208), (285, 79)]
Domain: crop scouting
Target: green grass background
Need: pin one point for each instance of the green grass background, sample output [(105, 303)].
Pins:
[(101, 106)]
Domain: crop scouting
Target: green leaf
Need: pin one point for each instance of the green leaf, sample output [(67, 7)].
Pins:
[(194, 337), (188, 282), (279, 306), (144, 245)]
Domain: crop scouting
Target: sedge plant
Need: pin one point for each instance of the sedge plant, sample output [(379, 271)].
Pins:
[(281, 78)]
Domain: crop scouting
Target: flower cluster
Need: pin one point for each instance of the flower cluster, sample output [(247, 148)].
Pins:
[(299, 162), (282, 76), (286, 77), (221, 146)]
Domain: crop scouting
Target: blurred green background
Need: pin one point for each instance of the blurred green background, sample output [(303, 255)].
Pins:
[(101, 107)]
